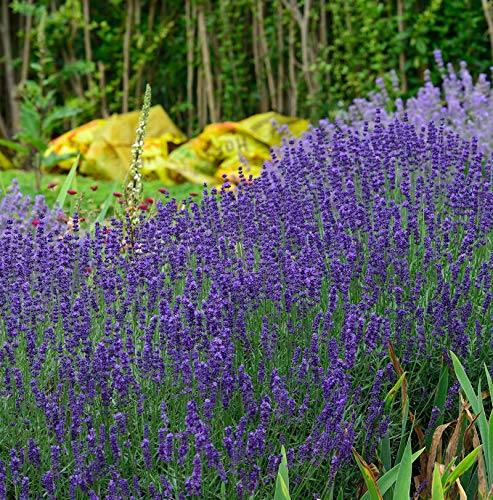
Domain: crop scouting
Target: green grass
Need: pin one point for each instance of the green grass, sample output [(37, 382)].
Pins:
[(87, 201)]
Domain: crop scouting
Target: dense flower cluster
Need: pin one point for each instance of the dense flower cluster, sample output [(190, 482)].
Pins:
[(24, 213), (464, 106), (258, 318)]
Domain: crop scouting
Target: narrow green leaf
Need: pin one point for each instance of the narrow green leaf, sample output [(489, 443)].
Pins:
[(488, 445), (478, 408), (67, 183), (106, 206), (282, 482), (440, 398), (30, 120), (404, 477), (385, 453), (58, 114), (52, 159), (14, 146), (391, 394), (371, 484), (446, 472), (464, 465), (402, 443), (488, 378), (388, 479), (436, 486), (465, 383)]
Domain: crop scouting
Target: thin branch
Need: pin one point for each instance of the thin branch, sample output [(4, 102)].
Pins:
[(102, 89), (126, 55), (87, 39), (190, 28), (265, 55), (9, 68), (488, 14), (202, 32), (26, 50), (3, 128)]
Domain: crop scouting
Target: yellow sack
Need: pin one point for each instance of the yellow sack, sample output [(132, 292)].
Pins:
[(77, 140), (5, 162), (106, 145), (221, 148)]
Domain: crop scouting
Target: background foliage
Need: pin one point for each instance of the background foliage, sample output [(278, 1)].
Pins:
[(211, 60)]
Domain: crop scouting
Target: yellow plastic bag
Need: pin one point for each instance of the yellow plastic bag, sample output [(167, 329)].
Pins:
[(222, 147), (106, 145), (77, 140), (5, 163)]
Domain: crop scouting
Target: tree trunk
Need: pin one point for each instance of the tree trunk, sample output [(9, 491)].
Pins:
[(201, 100), (126, 55), (293, 87), (13, 104), (303, 24), (26, 49), (102, 90), (488, 14), (3, 129), (264, 54), (402, 54), (218, 83), (206, 62), (323, 25), (280, 62), (190, 13), (228, 30), (87, 43), (257, 63)]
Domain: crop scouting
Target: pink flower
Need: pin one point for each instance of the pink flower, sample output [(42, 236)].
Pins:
[(71, 191), (35, 222), (51, 185), (149, 200), (143, 206), (163, 191), (117, 195), (193, 194), (93, 188)]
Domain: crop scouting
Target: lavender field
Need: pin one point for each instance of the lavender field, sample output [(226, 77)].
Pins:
[(278, 314)]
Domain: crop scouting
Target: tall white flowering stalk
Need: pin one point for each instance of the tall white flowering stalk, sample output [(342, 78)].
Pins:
[(133, 190)]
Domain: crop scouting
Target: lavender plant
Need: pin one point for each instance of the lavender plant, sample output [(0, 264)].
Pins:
[(255, 320), (464, 106)]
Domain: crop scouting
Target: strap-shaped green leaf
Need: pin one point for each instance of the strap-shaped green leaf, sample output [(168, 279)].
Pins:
[(282, 481), (67, 184), (463, 466), (368, 477), (436, 486), (404, 477), (388, 479)]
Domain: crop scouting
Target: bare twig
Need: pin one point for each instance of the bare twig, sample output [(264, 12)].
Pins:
[(204, 45), (13, 104), (488, 14), (102, 89), (189, 14), (126, 55), (26, 50), (87, 40)]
